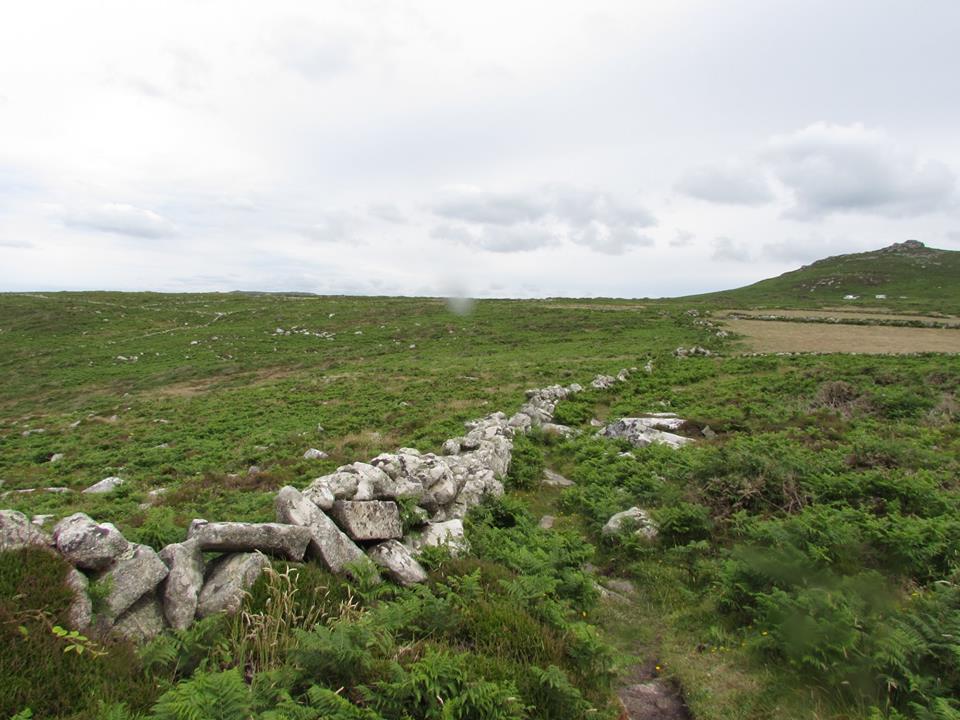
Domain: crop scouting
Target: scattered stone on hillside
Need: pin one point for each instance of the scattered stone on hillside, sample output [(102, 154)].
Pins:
[(546, 522), (88, 545), (253, 470), (108, 484), (555, 479), (627, 454), (56, 457), (278, 539), (437, 534), (181, 591), (41, 520), (314, 454), (682, 351), (370, 520), (640, 433), (648, 368), (596, 423), (619, 585), (574, 388), (451, 447), (80, 612), (320, 429), (399, 564), (135, 573), (227, 579), (603, 382), (632, 517), (143, 621), (708, 432), (327, 542), (623, 375), (519, 422), (16, 530), (563, 431)]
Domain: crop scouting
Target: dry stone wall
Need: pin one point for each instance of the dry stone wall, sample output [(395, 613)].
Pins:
[(343, 520)]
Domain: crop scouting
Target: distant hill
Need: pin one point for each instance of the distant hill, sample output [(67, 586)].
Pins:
[(903, 276)]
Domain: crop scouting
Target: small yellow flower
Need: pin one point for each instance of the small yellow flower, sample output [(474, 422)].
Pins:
[(764, 632)]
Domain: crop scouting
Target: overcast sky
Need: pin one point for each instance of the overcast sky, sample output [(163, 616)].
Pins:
[(487, 148)]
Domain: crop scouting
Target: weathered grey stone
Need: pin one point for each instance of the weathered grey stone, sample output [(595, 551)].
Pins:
[(546, 522), (181, 591), (86, 544), (327, 542), (342, 485), (315, 454), (399, 564), (228, 578), (641, 432), (555, 479), (278, 539), (451, 447), (80, 612), (320, 495), (143, 621), (603, 382), (564, 431), (108, 484), (134, 574), (708, 432), (436, 534), (372, 520), (16, 530), (634, 517)]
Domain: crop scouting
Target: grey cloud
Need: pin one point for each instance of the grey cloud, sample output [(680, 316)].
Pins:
[(388, 212), (730, 183), (311, 50), (499, 238), (121, 219), (15, 243), (727, 250), (683, 238), (518, 221), (953, 235), (851, 168), (610, 240)]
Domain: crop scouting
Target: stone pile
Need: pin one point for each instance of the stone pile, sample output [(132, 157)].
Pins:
[(642, 431), (343, 520)]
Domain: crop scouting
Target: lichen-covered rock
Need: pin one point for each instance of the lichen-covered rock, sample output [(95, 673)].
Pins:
[(80, 612), (633, 517), (555, 479), (228, 578), (108, 484), (181, 591), (134, 574), (448, 534), (143, 621), (603, 382), (399, 564), (88, 545), (371, 520), (641, 432), (278, 539), (16, 530), (327, 542)]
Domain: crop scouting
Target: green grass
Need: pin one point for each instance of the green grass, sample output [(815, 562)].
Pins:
[(913, 280)]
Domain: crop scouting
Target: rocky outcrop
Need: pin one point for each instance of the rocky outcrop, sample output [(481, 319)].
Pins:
[(643, 431), (632, 518)]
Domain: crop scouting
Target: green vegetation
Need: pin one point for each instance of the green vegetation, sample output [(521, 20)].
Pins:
[(912, 279), (807, 562)]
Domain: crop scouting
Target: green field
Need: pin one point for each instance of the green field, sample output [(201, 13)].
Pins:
[(806, 564)]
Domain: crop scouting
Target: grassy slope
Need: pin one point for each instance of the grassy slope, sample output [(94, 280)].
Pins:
[(912, 278)]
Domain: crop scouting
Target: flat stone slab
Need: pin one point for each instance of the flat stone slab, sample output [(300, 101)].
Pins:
[(555, 479), (181, 591), (143, 621), (134, 574), (447, 534), (285, 541), (368, 520)]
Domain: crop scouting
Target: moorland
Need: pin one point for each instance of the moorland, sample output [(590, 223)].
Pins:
[(807, 558)]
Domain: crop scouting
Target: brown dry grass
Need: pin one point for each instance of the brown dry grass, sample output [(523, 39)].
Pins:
[(851, 314), (773, 336)]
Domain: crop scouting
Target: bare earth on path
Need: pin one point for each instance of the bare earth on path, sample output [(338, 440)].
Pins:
[(774, 336), (834, 313)]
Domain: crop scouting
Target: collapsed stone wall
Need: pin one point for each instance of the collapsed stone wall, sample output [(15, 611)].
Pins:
[(343, 520)]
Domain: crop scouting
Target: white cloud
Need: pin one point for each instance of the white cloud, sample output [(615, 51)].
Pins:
[(732, 183), (683, 238), (852, 168), (121, 219)]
